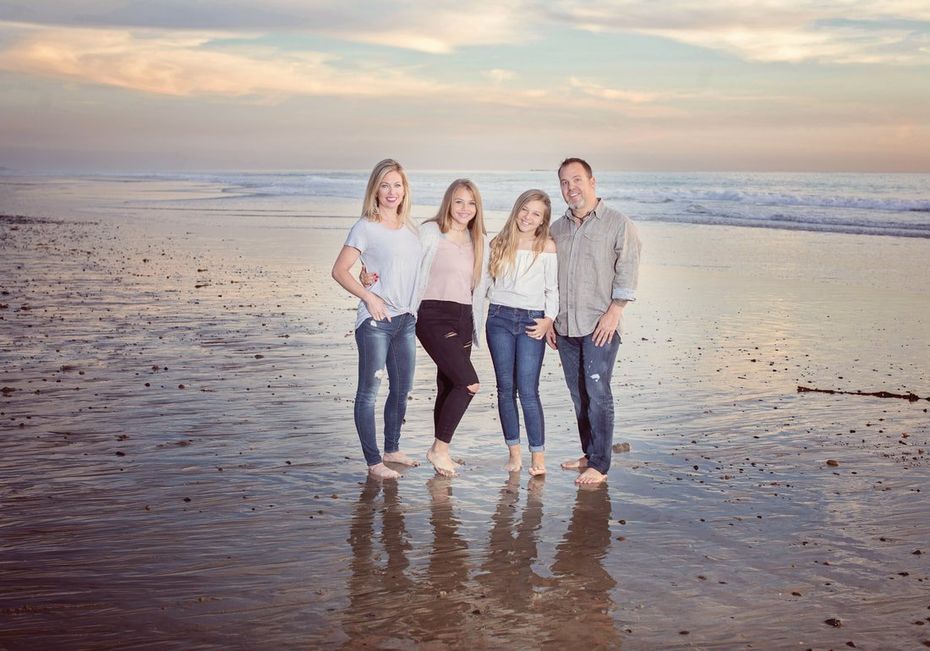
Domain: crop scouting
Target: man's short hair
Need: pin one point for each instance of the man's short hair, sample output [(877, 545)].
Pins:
[(580, 161)]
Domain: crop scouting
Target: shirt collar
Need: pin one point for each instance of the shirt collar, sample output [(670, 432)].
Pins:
[(593, 214)]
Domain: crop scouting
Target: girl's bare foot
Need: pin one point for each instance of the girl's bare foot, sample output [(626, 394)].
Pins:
[(575, 464), (381, 471), (591, 476), (537, 463), (515, 462), (438, 455), (401, 458)]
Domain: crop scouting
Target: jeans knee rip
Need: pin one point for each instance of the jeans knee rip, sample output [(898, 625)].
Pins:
[(380, 374), (596, 377)]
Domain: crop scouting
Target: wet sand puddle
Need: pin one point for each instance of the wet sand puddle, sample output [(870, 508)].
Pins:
[(179, 469)]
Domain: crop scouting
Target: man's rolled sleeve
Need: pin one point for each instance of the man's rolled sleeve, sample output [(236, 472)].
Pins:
[(626, 268)]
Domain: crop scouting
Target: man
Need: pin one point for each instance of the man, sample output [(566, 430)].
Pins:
[(598, 253)]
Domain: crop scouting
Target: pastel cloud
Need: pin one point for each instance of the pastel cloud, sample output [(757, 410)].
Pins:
[(499, 75), (436, 27), (183, 63), (881, 33), (896, 31)]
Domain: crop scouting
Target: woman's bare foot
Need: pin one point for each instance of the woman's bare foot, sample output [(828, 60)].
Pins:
[(514, 462), (381, 471), (575, 464), (591, 476), (537, 463), (438, 455), (401, 458)]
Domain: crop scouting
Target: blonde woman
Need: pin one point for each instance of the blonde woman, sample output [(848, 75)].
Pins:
[(383, 238), (450, 316), (524, 300)]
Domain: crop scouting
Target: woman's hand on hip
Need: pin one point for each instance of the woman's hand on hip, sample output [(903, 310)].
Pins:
[(541, 329)]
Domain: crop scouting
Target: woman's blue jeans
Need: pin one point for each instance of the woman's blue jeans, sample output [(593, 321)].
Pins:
[(517, 361), (384, 348)]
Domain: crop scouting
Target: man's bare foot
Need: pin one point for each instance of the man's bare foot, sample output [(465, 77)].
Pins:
[(514, 462), (441, 460), (575, 464), (381, 471), (401, 458), (591, 476), (537, 463)]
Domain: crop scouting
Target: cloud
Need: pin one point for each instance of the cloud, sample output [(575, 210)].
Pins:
[(185, 63), (189, 63), (773, 31), (894, 31), (499, 75), (596, 90), (436, 27)]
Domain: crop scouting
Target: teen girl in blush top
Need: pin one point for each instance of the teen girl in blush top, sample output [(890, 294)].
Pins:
[(451, 293), (385, 239)]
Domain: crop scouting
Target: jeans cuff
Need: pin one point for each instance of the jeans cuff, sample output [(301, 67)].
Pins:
[(537, 448), (510, 443)]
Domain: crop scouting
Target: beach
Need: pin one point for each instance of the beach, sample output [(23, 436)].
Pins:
[(179, 467)]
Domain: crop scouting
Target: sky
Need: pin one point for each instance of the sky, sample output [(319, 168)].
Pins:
[(162, 85)]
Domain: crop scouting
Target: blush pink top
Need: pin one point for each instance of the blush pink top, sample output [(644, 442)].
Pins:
[(451, 273)]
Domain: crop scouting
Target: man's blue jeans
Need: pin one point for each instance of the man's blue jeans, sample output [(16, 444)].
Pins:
[(588, 370), (384, 348), (517, 361)]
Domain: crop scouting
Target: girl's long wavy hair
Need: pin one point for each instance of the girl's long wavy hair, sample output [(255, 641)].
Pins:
[(504, 246), (475, 227), (370, 205)]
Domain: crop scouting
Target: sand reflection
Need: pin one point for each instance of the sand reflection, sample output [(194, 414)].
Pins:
[(507, 573), (508, 598), (581, 603), (389, 605)]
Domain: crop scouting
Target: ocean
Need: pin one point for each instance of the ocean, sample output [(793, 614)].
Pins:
[(895, 205)]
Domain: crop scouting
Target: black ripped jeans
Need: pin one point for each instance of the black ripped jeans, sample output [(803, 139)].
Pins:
[(445, 330)]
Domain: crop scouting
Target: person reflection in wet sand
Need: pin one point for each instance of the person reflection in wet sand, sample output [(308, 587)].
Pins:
[(389, 609), (507, 573), (374, 586), (581, 601), (442, 615)]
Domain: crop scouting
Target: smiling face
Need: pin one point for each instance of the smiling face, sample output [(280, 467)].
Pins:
[(531, 216), (390, 191), (578, 189), (463, 208)]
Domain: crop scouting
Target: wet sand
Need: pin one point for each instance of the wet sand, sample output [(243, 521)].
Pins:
[(179, 468)]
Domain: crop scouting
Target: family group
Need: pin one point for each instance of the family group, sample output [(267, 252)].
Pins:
[(446, 283)]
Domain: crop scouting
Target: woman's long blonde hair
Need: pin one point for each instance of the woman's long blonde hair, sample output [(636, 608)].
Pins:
[(475, 227), (504, 246), (370, 206)]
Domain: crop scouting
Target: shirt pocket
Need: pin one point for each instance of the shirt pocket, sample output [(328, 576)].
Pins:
[(596, 247)]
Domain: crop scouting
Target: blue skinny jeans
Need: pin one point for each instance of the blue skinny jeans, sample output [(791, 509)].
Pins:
[(517, 359), (385, 348)]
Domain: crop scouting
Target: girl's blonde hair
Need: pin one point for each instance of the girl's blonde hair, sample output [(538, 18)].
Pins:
[(476, 226), (370, 206), (504, 246)]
